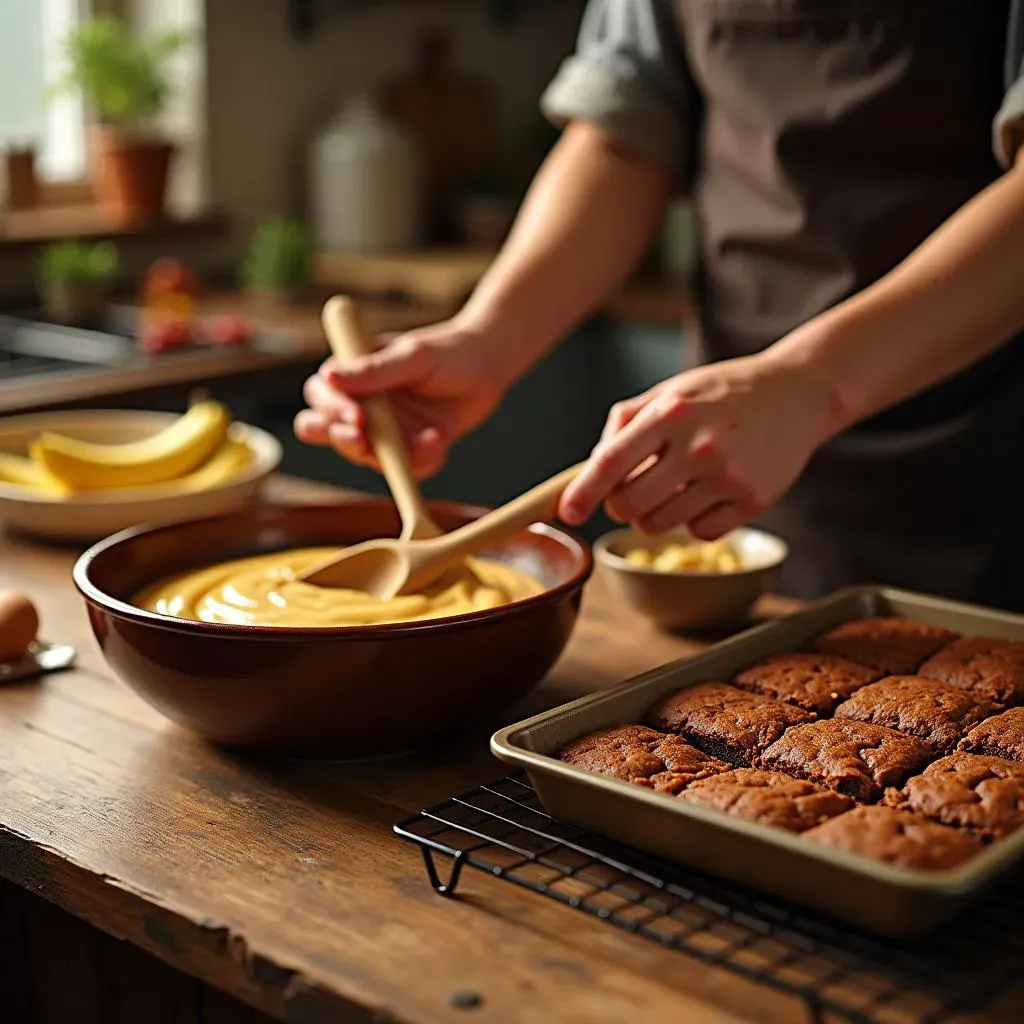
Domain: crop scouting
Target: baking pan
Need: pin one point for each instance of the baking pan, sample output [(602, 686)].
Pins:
[(895, 901)]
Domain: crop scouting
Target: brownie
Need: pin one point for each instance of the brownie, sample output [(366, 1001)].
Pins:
[(644, 756), (898, 837), (726, 722), (895, 647), (987, 667), (858, 759), (937, 714), (770, 798), (984, 794), (815, 682), (999, 736)]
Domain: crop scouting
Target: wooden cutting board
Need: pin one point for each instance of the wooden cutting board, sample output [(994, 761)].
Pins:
[(444, 276), (451, 116)]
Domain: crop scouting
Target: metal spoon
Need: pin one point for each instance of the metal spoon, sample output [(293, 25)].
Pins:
[(386, 568)]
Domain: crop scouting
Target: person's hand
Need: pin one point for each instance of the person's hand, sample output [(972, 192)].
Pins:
[(709, 449), (439, 379)]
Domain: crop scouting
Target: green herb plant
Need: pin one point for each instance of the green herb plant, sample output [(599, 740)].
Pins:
[(76, 263), (278, 257), (122, 78)]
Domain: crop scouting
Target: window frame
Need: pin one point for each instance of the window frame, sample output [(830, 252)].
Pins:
[(62, 161)]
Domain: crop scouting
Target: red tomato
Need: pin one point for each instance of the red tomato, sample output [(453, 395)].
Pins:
[(228, 330), (165, 336), (170, 275)]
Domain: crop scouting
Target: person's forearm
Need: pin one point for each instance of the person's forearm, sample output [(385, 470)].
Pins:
[(586, 221), (956, 298)]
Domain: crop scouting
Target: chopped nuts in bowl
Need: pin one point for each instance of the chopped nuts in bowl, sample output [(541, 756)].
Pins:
[(680, 583)]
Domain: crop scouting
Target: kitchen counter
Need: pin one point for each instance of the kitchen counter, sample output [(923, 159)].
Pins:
[(280, 884), (297, 341)]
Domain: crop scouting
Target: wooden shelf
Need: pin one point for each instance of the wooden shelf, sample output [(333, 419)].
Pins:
[(446, 277), (45, 224)]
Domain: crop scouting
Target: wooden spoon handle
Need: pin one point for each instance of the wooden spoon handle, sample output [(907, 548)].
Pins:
[(349, 340), (535, 506)]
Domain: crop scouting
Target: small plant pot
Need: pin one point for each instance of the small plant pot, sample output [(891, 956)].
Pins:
[(130, 174), (72, 302), (22, 184)]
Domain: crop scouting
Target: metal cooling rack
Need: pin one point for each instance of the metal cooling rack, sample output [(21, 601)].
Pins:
[(841, 974)]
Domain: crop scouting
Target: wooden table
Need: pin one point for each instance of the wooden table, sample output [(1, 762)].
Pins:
[(280, 884)]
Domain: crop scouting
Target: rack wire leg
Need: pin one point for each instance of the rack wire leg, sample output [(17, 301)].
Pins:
[(443, 888)]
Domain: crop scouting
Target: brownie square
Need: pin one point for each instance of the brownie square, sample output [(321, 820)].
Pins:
[(987, 667), (897, 837), (984, 794), (726, 722), (858, 759), (937, 714), (770, 798), (895, 647), (999, 736), (814, 682), (644, 756)]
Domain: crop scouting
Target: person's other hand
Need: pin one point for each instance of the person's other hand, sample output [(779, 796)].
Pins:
[(709, 449), (439, 379)]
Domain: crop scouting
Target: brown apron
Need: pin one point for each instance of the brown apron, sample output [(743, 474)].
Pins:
[(835, 136)]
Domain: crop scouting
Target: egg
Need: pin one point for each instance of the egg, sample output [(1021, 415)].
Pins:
[(19, 624)]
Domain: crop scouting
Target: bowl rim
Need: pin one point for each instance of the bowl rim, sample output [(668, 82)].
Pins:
[(267, 455), (617, 563), (123, 610)]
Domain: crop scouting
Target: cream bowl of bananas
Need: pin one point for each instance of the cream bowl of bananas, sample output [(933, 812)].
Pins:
[(78, 476)]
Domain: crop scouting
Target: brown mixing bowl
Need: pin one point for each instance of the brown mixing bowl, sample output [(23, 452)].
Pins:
[(353, 692)]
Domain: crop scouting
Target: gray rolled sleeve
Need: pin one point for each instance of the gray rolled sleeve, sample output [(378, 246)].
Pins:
[(1008, 128), (629, 77)]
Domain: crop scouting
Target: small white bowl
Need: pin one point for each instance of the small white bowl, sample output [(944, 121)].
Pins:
[(90, 516), (690, 600)]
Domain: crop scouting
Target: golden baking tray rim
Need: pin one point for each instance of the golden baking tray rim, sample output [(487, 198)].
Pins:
[(570, 793)]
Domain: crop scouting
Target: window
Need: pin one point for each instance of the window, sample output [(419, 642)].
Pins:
[(32, 34)]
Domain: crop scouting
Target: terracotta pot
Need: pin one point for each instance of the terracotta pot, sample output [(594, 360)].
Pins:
[(22, 185), (130, 173), (74, 302)]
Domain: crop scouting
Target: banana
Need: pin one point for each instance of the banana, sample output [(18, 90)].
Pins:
[(22, 472), (228, 461), (171, 454)]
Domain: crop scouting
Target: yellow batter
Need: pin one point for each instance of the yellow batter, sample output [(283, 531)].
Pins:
[(264, 591)]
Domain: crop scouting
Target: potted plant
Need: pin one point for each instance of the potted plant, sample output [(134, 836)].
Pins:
[(125, 82), (75, 280), (276, 267)]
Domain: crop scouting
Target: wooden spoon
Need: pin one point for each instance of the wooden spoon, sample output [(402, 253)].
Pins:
[(387, 568), (349, 340)]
